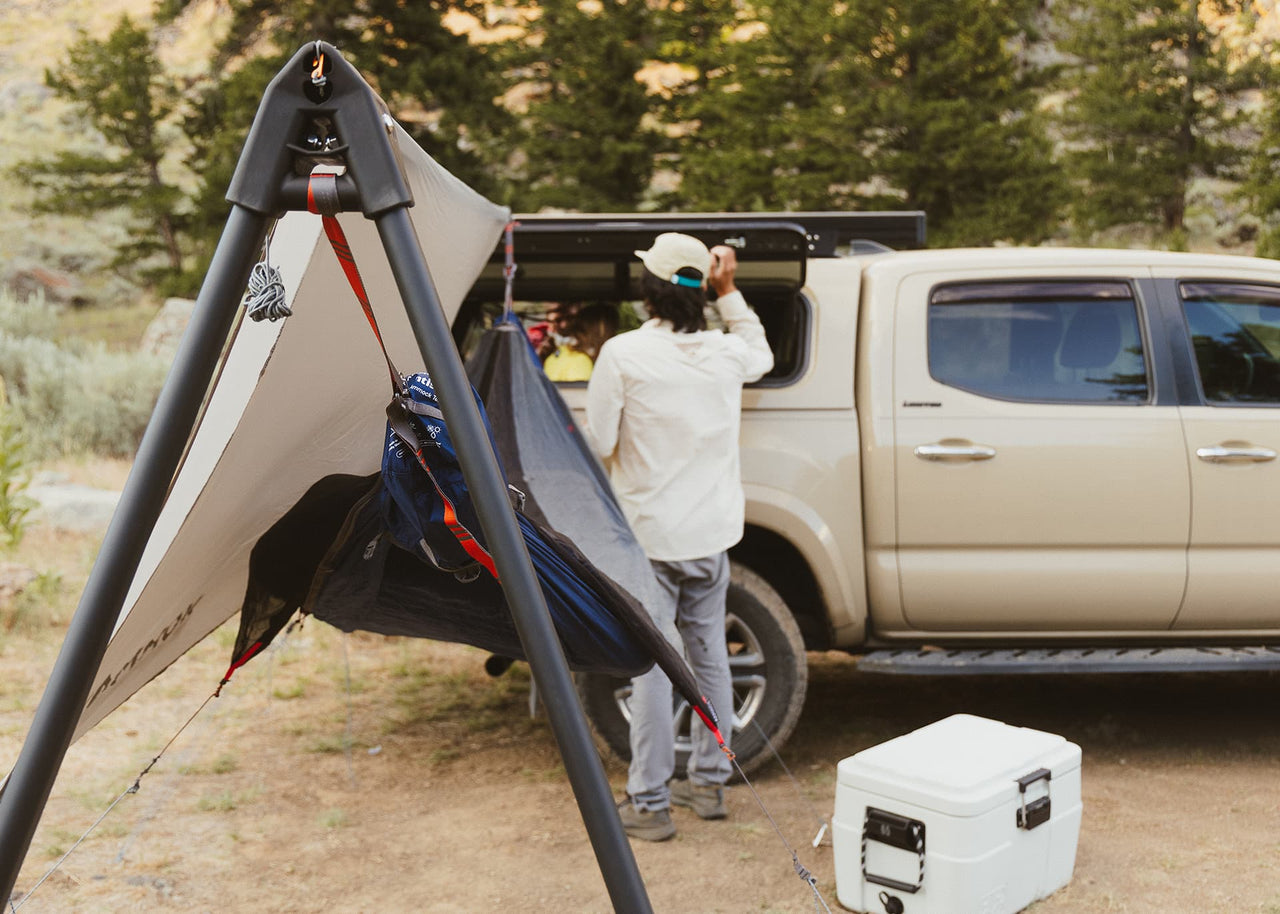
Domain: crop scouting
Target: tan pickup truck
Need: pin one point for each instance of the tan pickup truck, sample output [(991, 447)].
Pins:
[(1005, 459)]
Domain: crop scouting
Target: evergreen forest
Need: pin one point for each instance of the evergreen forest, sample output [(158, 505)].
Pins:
[(1005, 121)]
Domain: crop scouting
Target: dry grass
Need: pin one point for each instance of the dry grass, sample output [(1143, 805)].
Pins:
[(427, 787)]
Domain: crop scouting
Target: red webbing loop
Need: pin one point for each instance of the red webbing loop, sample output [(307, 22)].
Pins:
[(715, 731), (321, 189), (243, 659), (464, 536)]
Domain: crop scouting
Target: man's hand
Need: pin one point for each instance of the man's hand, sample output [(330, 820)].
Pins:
[(724, 265)]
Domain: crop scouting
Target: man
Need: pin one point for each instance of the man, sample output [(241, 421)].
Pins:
[(663, 409), (555, 331)]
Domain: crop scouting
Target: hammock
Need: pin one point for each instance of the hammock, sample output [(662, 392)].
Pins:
[(402, 552)]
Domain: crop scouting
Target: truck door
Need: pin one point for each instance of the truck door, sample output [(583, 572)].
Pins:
[(1229, 333), (1042, 481)]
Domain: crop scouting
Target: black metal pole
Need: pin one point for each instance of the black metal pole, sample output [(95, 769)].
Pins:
[(519, 583), (144, 493)]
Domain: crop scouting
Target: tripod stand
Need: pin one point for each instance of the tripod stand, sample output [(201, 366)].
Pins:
[(317, 110)]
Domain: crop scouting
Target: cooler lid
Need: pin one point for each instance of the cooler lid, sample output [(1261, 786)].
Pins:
[(960, 766)]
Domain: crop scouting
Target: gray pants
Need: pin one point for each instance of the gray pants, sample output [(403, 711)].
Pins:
[(688, 608)]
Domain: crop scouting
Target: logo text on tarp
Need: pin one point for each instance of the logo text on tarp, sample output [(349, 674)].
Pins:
[(110, 681)]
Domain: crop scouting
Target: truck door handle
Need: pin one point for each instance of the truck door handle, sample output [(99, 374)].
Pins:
[(955, 451), (1222, 454)]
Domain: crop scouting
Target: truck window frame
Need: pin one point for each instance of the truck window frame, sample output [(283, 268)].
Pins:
[(1064, 291), (791, 361), (1217, 292)]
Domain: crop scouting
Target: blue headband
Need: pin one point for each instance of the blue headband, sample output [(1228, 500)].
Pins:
[(679, 280)]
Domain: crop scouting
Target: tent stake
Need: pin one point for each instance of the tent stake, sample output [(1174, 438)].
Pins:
[(267, 182), (144, 493)]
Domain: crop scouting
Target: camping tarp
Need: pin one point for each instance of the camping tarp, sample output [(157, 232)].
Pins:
[(296, 401)]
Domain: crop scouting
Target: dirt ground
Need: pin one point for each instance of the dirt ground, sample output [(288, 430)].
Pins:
[(427, 787), (370, 774)]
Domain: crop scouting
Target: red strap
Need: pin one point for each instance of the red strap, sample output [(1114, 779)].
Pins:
[(243, 659), (715, 730), (322, 199), (464, 536), (323, 187)]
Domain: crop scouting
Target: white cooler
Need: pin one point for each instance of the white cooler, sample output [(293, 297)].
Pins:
[(964, 816)]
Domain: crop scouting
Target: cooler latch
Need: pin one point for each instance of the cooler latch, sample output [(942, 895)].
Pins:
[(895, 831), (1037, 811)]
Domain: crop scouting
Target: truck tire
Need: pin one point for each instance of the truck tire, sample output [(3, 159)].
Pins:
[(770, 675)]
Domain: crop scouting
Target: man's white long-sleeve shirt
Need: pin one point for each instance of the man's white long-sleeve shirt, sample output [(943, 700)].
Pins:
[(665, 409)]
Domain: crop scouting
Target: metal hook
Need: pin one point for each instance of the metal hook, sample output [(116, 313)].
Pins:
[(317, 67)]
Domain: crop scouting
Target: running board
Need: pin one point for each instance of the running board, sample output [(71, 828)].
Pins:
[(987, 661)]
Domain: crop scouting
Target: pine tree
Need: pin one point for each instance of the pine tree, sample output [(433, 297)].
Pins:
[(588, 140), (958, 131), (1148, 109), (774, 109), (1261, 185), (117, 85)]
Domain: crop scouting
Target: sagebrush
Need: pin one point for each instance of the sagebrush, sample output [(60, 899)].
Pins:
[(73, 396), (14, 477)]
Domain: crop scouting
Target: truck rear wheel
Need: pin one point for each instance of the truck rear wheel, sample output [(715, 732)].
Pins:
[(770, 675)]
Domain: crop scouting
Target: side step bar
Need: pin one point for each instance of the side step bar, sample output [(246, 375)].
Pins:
[(988, 661)]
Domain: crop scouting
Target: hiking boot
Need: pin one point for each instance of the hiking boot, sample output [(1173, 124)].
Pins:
[(646, 824), (706, 800)]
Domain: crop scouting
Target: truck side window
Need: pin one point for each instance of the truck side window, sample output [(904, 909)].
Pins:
[(1235, 330), (1039, 341)]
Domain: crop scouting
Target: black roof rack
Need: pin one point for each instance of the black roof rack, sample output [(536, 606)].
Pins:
[(826, 233), (593, 254)]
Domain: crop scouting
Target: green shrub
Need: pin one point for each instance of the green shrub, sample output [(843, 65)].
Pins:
[(73, 397), (33, 317), (14, 505)]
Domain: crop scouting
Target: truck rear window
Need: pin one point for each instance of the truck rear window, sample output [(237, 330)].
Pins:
[(1039, 341), (784, 313)]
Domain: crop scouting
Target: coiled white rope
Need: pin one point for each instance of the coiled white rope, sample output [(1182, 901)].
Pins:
[(266, 298)]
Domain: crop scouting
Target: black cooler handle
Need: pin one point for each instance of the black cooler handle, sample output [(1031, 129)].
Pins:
[(895, 831), (1036, 812)]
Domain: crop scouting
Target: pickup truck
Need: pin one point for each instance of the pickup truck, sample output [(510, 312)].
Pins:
[(1005, 459)]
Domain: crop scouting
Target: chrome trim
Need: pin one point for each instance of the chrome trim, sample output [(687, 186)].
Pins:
[(947, 451), (1222, 454)]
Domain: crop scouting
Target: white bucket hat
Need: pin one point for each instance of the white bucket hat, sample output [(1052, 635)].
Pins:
[(673, 251)]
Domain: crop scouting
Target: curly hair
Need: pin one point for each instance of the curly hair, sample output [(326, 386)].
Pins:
[(683, 306)]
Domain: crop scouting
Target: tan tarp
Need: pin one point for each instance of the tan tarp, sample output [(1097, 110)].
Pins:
[(296, 400)]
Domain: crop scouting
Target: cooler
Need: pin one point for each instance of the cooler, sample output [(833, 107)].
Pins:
[(964, 816)]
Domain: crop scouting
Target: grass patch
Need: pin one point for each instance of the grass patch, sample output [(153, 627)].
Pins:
[(223, 764), (287, 693), (333, 818), (443, 755), (36, 607), (227, 800), (552, 774), (222, 801), (327, 745), (119, 327)]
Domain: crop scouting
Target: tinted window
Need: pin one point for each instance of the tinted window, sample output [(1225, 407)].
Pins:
[(1052, 342), (1235, 330)]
